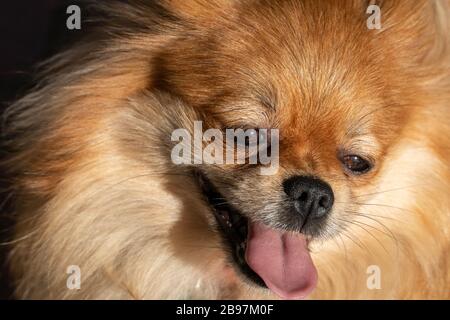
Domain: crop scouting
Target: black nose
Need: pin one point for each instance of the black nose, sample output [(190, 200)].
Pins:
[(313, 198)]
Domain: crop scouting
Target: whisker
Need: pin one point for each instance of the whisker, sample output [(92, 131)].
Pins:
[(348, 235), (343, 244), (359, 224), (375, 220), (373, 215), (381, 205), (384, 191), (338, 236)]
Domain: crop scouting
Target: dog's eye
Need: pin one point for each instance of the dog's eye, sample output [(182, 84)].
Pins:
[(253, 138), (356, 164), (249, 142)]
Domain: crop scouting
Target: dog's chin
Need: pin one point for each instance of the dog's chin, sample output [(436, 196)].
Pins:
[(242, 237)]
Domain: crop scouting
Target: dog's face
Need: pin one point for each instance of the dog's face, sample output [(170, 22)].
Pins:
[(358, 113), (338, 104)]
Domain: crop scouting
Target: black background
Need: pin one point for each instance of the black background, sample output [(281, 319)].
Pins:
[(282, 309), (30, 31)]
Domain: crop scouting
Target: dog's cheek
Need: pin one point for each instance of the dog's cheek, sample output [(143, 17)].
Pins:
[(343, 203)]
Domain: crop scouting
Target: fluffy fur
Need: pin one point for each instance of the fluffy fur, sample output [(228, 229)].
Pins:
[(90, 147)]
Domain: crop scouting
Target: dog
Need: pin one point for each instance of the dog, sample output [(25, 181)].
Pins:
[(358, 208)]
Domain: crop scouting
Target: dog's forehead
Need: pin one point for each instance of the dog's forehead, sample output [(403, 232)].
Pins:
[(317, 78), (287, 65)]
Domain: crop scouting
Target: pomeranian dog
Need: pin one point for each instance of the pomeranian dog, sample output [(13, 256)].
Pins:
[(358, 207)]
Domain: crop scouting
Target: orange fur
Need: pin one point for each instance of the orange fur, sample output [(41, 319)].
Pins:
[(94, 185)]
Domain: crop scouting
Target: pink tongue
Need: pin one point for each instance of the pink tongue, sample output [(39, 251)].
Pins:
[(281, 260)]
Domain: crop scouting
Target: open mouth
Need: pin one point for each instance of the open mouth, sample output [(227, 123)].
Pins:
[(232, 225), (270, 258)]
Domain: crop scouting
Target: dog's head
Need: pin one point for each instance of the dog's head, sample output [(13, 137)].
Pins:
[(336, 91), (340, 100)]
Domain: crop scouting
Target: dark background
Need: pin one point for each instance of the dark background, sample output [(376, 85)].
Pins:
[(30, 31)]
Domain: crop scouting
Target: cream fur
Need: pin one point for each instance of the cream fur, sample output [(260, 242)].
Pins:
[(91, 193)]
